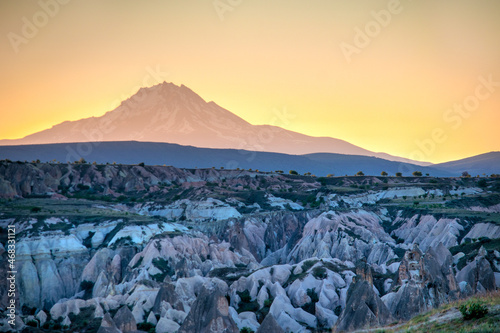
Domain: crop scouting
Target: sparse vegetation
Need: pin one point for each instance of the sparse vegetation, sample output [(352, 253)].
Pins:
[(246, 303), (246, 330), (164, 267), (87, 287), (473, 310)]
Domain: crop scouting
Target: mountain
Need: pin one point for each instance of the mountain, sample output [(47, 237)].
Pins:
[(156, 153), (487, 163), (175, 114)]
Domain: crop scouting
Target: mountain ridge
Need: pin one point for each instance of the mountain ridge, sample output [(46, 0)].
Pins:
[(157, 153)]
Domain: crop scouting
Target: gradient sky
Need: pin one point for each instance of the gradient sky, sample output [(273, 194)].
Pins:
[(264, 60)]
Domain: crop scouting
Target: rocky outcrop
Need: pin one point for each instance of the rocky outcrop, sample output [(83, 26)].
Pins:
[(346, 236), (270, 325), (423, 282), (209, 314), (24, 179), (185, 256), (166, 326), (427, 231), (479, 230), (206, 210), (478, 275), (168, 295), (49, 269), (363, 309), (124, 320), (108, 325)]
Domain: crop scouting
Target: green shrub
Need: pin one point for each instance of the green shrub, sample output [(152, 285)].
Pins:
[(319, 273), (473, 310), (147, 327), (87, 286), (164, 267), (311, 306), (264, 311), (246, 303), (246, 330), (244, 296), (308, 264)]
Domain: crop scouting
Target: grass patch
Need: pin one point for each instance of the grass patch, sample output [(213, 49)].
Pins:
[(424, 322)]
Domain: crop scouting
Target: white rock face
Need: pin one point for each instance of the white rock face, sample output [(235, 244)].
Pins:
[(176, 315), (192, 254), (208, 210), (282, 203), (166, 326), (488, 230), (244, 319), (428, 232), (372, 197), (152, 319), (142, 234), (97, 264), (288, 317), (347, 236), (42, 317), (326, 317), (50, 266)]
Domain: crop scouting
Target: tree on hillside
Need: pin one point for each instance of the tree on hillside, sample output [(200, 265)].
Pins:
[(383, 173), (360, 173), (330, 175), (293, 172), (465, 174), (417, 173), (399, 174)]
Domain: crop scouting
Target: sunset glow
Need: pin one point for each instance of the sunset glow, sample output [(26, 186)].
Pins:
[(397, 93)]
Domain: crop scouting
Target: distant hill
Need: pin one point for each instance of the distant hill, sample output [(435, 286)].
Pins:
[(154, 153), (175, 114), (487, 163)]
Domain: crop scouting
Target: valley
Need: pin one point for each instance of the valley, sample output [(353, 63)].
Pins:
[(115, 247)]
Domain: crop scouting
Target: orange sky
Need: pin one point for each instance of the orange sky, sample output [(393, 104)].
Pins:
[(265, 59)]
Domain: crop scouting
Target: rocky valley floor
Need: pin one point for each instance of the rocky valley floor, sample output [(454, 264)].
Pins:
[(125, 248)]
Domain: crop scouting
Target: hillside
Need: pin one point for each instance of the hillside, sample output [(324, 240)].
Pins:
[(448, 319), (192, 157), (476, 165)]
